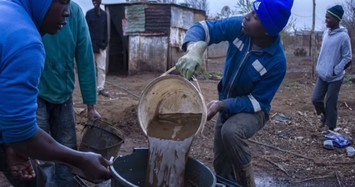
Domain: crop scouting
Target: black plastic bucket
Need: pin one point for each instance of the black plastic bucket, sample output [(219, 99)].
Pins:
[(101, 137), (130, 171), (221, 182)]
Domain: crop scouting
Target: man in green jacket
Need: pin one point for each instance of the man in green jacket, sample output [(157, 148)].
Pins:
[(55, 112)]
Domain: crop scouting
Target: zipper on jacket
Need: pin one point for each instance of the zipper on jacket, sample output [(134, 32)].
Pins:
[(240, 65)]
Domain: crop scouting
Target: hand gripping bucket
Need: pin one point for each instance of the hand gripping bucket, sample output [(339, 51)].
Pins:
[(170, 94)]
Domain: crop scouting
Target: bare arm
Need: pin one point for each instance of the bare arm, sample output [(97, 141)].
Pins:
[(44, 147)]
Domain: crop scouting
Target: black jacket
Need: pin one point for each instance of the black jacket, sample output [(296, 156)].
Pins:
[(98, 29)]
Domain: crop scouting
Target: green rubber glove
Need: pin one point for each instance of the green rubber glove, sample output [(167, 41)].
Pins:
[(191, 61)]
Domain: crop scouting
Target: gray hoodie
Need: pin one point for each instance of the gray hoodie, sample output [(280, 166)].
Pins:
[(334, 54)]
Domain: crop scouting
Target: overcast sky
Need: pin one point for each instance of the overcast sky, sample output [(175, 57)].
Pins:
[(301, 10)]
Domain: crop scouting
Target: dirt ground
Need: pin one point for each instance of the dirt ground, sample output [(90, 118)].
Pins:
[(284, 153)]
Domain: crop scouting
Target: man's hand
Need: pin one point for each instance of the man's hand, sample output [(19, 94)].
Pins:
[(19, 165), (94, 166), (191, 61), (213, 108), (93, 115)]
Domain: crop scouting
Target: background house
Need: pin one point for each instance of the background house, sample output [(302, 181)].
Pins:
[(147, 36)]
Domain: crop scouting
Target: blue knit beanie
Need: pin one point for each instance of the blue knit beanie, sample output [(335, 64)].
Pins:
[(337, 11), (273, 14)]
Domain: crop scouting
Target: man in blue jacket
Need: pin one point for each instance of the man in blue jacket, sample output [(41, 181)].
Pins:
[(254, 68), (22, 59), (334, 55)]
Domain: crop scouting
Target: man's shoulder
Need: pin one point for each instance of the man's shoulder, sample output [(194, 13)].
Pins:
[(74, 6), (103, 12), (24, 32), (91, 12)]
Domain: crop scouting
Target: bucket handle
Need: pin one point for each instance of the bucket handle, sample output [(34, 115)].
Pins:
[(193, 77), (169, 71), (198, 85), (118, 133)]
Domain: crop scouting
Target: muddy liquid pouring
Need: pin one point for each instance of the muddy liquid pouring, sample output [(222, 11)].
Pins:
[(170, 137)]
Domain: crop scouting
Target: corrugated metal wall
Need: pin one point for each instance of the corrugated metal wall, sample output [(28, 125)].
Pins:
[(148, 18), (148, 53), (157, 18), (182, 18), (135, 17)]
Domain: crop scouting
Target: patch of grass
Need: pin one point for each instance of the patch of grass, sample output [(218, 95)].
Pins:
[(210, 75), (291, 84), (214, 75)]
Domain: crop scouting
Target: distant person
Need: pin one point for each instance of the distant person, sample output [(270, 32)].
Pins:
[(97, 21), (55, 113), (254, 68), (334, 55), (22, 58)]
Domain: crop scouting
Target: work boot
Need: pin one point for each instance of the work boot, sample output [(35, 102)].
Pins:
[(246, 176), (104, 93)]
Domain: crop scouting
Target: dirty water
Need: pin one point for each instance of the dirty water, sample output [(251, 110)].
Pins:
[(170, 137)]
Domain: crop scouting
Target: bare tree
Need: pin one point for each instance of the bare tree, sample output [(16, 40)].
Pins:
[(312, 50), (166, 1), (291, 25), (198, 4), (348, 20), (243, 7)]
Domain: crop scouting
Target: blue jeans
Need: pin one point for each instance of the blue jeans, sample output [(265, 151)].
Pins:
[(325, 99), (59, 121)]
